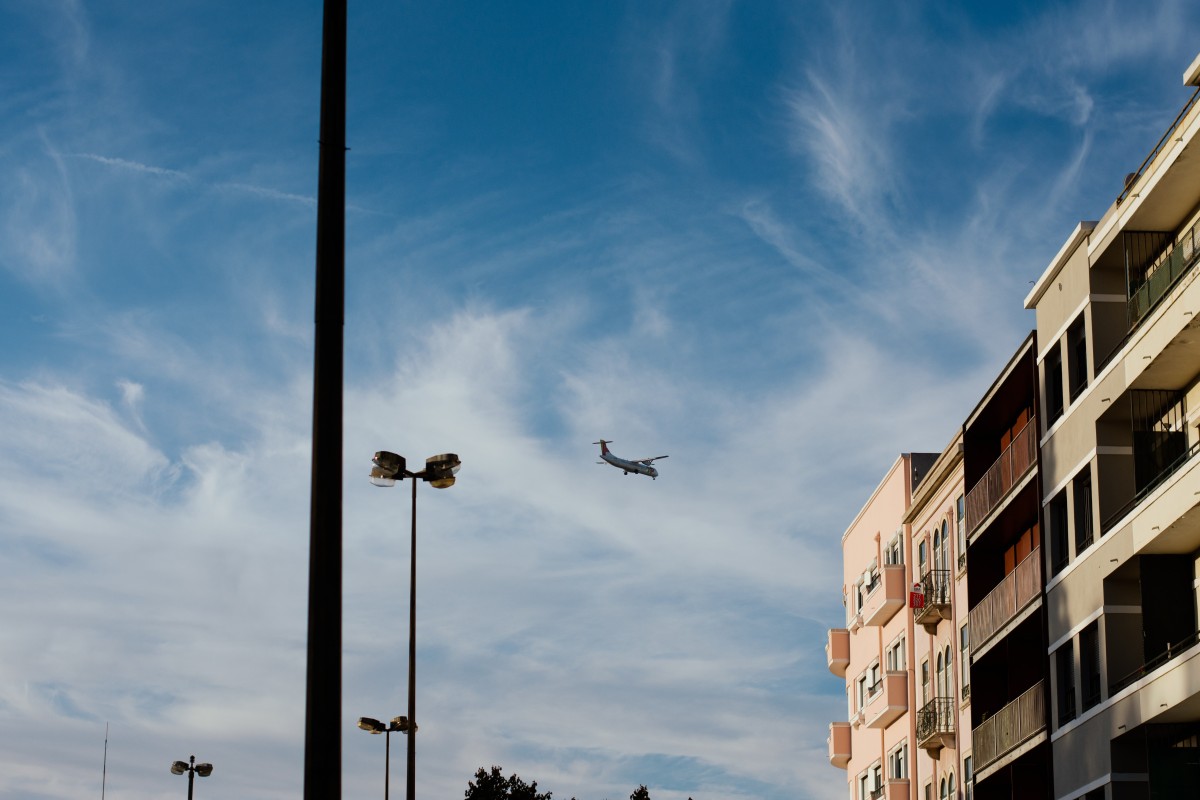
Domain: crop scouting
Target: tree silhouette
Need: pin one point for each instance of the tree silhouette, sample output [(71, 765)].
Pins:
[(494, 786)]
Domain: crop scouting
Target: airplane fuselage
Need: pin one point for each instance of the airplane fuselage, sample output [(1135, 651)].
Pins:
[(630, 466)]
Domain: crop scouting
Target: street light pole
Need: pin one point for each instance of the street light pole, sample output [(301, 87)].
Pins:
[(439, 471), (411, 767), (375, 726), (192, 769)]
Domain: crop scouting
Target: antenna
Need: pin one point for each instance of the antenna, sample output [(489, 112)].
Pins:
[(104, 768)]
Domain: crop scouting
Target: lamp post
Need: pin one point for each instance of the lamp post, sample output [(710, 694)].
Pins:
[(439, 472), (192, 769), (375, 726)]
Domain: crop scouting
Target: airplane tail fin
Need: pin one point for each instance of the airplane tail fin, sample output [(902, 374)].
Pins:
[(603, 446)]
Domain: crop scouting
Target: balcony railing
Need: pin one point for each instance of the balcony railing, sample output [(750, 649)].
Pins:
[(1163, 274), (887, 700), (1132, 178), (935, 724), (1017, 722), (1172, 651), (1010, 596), (839, 742), (1167, 471), (887, 596), (1010, 467), (938, 586), (837, 651)]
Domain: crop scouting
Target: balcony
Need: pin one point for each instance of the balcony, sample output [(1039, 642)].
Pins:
[(935, 725), (896, 789), (1016, 591), (837, 651), (937, 585), (1162, 273), (887, 597), (1017, 459), (886, 700), (1016, 723), (839, 744)]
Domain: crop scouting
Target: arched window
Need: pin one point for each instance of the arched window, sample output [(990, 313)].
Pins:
[(949, 678), (944, 794), (941, 677), (950, 783), (945, 545), (937, 549)]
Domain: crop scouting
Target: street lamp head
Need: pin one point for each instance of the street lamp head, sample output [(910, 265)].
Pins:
[(179, 767), (371, 725), (389, 467), (440, 470), (204, 770), (400, 724)]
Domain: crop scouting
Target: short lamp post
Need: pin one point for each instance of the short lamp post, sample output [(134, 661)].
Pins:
[(439, 472), (192, 769), (399, 724)]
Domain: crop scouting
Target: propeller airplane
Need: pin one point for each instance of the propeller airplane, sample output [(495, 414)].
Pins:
[(641, 466)]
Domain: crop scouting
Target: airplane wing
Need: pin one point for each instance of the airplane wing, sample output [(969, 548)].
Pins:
[(649, 461)]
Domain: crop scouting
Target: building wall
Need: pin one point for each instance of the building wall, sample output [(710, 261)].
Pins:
[(1121, 594)]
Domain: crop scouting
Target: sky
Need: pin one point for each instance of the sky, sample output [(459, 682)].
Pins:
[(782, 242)]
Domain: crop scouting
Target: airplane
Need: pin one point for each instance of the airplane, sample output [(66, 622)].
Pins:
[(641, 466)]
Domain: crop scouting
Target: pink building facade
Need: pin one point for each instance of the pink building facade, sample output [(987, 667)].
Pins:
[(901, 738)]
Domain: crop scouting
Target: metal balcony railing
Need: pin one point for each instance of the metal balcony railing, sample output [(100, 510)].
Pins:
[(1132, 178), (1163, 274), (1017, 722), (1011, 595), (1008, 469), (1172, 651), (935, 717)]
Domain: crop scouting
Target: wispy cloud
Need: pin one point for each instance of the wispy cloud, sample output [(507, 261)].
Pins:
[(135, 166)]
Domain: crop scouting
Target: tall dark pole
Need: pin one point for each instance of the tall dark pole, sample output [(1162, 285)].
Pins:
[(191, 776), (323, 719), (410, 792), (387, 761)]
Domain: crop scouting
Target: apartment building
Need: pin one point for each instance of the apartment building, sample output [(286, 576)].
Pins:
[(899, 652), (935, 519), (1119, 367), (873, 652), (1007, 613)]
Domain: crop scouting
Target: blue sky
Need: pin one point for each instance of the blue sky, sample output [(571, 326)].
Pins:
[(782, 242)]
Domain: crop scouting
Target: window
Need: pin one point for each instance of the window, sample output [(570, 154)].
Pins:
[(960, 519), (877, 779), (1059, 548), (938, 561), (945, 673), (860, 689), (945, 556), (929, 791), (864, 793), (964, 653), (894, 656), (950, 783), (925, 681), (1089, 665), (922, 558), (943, 795), (968, 779), (874, 684), (1077, 368), (1082, 490), (1054, 384), (1064, 663), (894, 553), (898, 762)]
